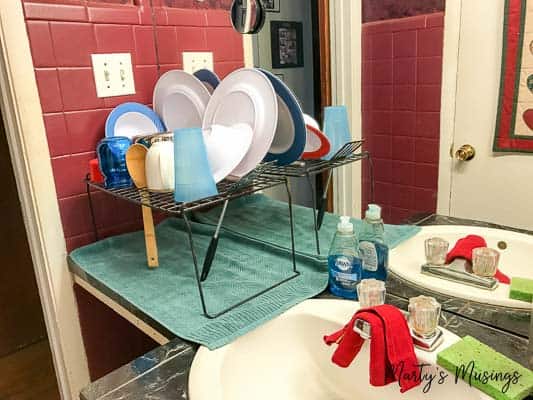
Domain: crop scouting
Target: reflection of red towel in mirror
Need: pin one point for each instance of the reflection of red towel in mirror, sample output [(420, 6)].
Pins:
[(392, 356), (463, 249)]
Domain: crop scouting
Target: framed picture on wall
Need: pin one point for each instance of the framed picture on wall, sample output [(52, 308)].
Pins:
[(287, 44), (271, 5)]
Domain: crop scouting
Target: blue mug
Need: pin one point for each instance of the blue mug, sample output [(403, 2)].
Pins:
[(111, 154)]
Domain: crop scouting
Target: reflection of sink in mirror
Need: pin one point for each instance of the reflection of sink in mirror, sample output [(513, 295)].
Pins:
[(287, 359), (407, 259)]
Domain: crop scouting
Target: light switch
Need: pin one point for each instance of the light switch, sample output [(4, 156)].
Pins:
[(113, 74), (193, 61)]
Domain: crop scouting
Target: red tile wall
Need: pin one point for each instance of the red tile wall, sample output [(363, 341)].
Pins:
[(401, 92), (63, 34)]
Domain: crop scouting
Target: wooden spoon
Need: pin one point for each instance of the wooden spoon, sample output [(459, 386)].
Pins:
[(135, 162)]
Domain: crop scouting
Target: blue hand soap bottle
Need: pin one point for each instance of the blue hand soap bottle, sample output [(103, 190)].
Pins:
[(344, 263), (372, 247)]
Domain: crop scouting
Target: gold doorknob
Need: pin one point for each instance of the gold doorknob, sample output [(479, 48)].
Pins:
[(465, 153)]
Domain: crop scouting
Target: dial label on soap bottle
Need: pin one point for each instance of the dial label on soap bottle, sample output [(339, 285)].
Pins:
[(369, 256)]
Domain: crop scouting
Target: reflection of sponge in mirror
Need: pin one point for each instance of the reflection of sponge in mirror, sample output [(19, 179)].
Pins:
[(487, 370), (521, 289)]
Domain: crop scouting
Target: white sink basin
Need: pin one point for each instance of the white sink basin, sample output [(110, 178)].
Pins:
[(515, 261), (286, 359)]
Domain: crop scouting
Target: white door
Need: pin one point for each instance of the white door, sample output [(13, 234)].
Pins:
[(491, 187)]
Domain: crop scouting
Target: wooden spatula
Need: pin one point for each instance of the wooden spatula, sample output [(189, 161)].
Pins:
[(135, 162)]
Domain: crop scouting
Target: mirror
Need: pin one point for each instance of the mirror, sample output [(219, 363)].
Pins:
[(247, 16), (435, 156), (446, 177)]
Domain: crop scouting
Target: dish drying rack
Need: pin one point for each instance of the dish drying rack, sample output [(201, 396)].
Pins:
[(307, 169), (264, 176)]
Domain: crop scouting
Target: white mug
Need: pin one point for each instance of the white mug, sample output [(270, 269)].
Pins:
[(160, 165)]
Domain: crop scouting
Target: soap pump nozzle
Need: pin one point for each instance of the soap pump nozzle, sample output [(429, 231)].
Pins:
[(373, 213), (345, 226)]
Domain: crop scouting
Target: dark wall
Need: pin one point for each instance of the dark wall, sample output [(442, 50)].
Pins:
[(21, 317), (377, 10), (110, 340)]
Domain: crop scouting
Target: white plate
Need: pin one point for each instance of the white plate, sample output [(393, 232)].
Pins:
[(180, 99), (226, 147), (246, 96)]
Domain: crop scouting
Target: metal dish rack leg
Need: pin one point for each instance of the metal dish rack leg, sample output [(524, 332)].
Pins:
[(291, 221), (197, 274), (91, 208), (315, 220)]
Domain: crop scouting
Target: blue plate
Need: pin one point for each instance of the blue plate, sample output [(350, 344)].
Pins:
[(208, 78), (291, 133), (133, 119)]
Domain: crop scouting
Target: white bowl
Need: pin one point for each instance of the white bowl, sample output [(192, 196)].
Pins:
[(227, 147)]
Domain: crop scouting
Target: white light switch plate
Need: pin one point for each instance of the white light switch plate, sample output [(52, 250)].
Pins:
[(113, 74), (193, 61)]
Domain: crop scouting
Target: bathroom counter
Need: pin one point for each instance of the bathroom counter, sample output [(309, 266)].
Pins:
[(435, 219), (163, 373)]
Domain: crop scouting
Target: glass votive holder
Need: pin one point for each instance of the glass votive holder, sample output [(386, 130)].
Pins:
[(371, 293), (485, 261), (436, 251), (424, 314)]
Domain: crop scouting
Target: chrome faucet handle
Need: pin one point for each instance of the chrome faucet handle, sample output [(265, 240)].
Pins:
[(430, 344)]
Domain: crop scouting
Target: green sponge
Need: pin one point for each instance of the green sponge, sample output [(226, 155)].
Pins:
[(487, 370), (521, 289)]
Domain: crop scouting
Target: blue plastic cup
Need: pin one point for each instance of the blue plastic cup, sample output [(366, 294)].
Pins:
[(193, 177), (337, 128), (111, 154)]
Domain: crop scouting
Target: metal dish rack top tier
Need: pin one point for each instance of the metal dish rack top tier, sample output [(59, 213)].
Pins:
[(265, 176), (227, 190)]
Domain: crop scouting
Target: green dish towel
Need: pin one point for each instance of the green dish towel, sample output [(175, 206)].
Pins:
[(169, 293), (267, 220)]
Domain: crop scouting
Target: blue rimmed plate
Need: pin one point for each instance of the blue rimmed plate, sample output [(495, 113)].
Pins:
[(291, 133), (208, 78), (133, 119)]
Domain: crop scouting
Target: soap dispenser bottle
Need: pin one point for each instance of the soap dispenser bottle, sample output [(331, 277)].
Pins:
[(372, 248), (344, 263)]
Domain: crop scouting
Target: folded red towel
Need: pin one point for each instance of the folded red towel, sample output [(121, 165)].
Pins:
[(463, 249), (392, 356)]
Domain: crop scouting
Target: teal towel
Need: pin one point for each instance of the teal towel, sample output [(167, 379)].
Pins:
[(170, 296), (264, 219)]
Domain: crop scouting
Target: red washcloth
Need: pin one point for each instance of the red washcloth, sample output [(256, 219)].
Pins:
[(463, 249), (392, 356)]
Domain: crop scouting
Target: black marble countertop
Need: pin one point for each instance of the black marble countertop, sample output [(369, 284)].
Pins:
[(163, 373)]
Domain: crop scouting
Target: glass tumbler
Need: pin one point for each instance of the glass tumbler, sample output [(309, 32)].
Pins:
[(436, 251), (371, 293), (485, 261), (424, 314), (111, 154)]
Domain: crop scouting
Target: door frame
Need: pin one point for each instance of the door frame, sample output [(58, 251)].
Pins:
[(28, 146), (450, 69), (346, 90)]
